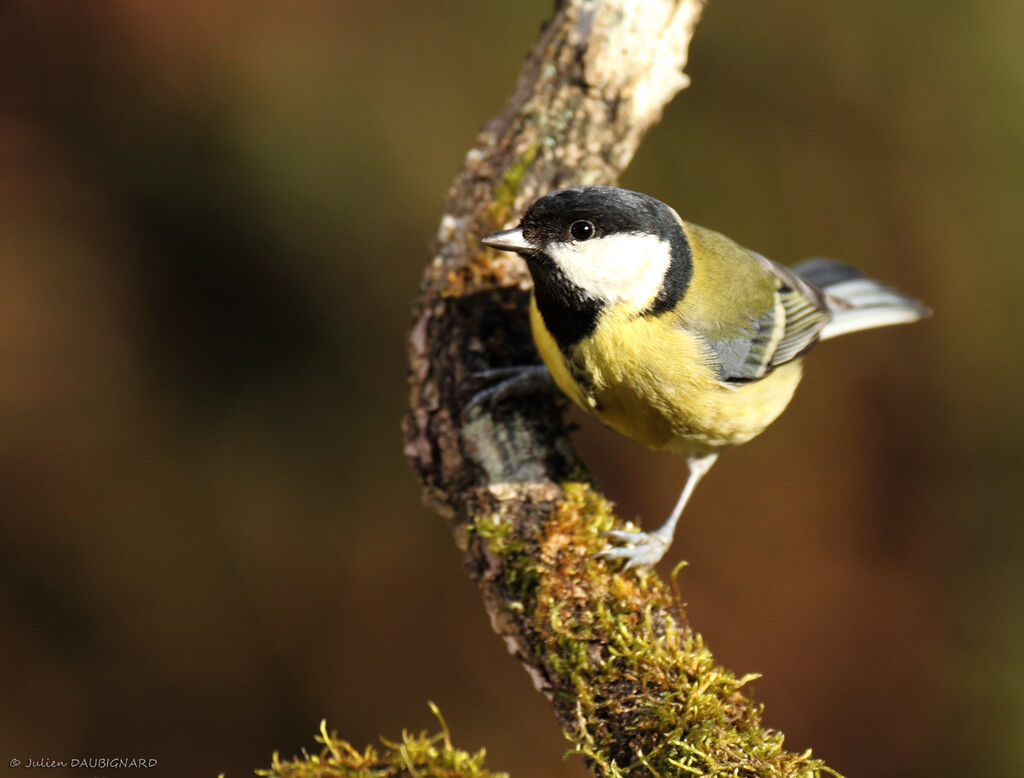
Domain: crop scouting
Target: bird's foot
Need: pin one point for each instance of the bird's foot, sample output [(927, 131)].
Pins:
[(639, 549), (514, 381)]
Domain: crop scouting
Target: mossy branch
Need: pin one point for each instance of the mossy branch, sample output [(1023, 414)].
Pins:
[(632, 684), (413, 756)]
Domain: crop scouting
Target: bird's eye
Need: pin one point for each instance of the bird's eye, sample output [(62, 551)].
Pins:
[(582, 230)]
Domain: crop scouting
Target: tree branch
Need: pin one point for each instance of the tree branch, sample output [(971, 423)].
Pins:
[(631, 683)]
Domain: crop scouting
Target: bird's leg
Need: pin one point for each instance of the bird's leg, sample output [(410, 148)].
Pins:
[(645, 549), (514, 381)]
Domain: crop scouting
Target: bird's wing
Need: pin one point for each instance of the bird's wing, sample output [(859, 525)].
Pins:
[(783, 332)]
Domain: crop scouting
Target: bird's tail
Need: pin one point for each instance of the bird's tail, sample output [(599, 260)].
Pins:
[(857, 302)]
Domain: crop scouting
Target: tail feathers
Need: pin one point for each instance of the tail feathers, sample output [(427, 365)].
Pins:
[(856, 301), (824, 272)]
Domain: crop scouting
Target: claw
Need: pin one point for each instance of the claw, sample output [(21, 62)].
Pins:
[(494, 373), (622, 535), (514, 381), (643, 549)]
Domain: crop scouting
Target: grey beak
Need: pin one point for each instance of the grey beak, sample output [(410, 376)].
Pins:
[(508, 240)]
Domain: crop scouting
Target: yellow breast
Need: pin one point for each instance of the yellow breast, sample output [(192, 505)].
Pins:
[(653, 383)]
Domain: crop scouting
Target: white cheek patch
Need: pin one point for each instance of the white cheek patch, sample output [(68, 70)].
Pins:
[(616, 268)]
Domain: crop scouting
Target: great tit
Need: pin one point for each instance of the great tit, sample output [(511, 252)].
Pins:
[(672, 334)]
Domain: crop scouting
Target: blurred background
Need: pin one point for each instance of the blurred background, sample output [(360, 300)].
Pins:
[(213, 218)]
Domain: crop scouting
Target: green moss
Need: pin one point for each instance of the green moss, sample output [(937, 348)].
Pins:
[(521, 571), (415, 756), (505, 192), (496, 532), (640, 689)]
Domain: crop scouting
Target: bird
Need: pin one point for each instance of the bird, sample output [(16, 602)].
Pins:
[(672, 334)]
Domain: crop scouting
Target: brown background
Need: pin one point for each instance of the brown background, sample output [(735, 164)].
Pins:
[(212, 221)]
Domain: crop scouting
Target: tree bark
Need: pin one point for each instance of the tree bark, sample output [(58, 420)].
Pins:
[(632, 684)]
